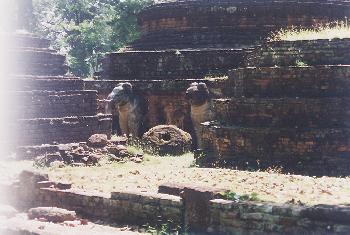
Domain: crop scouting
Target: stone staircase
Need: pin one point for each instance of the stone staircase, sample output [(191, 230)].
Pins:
[(48, 106), (286, 116)]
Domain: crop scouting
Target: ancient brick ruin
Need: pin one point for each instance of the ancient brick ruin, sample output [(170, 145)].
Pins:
[(292, 116), (280, 114), (278, 104), (197, 209), (194, 39), (49, 107)]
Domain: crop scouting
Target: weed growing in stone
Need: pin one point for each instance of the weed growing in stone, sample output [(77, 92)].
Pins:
[(233, 196), (338, 29), (166, 228), (300, 63)]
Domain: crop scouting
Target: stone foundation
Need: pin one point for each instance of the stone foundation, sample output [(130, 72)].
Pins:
[(209, 215), (289, 117), (47, 106), (295, 150)]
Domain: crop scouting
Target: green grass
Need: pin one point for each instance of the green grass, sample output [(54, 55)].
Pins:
[(230, 195), (338, 29)]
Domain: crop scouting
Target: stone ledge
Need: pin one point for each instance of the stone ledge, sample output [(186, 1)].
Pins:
[(173, 64), (284, 112), (291, 81), (277, 141)]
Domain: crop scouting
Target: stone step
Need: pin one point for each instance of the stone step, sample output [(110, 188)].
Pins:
[(36, 61), (299, 53), (26, 40), (40, 56), (58, 130), (308, 81), (284, 112), (271, 143), (43, 83), (41, 69), (52, 104)]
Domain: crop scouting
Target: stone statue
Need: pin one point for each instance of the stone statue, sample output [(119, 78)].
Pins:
[(198, 95), (125, 105)]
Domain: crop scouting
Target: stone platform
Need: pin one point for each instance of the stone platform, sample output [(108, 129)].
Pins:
[(47, 105), (285, 116)]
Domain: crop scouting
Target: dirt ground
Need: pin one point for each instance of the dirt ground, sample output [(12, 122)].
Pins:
[(21, 223), (147, 176)]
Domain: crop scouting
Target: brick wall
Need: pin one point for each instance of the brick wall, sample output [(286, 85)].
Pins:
[(302, 151), (308, 81), (31, 61), (294, 118), (230, 24), (284, 112), (170, 64), (61, 130), (50, 104), (312, 52), (268, 218)]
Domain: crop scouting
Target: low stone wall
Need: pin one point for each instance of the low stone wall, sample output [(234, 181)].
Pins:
[(61, 130), (170, 64), (50, 104), (124, 207), (309, 81), (250, 218), (295, 150), (299, 53), (284, 112), (197, 210)]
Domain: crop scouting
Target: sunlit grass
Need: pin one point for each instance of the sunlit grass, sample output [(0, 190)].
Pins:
[(338, 29)]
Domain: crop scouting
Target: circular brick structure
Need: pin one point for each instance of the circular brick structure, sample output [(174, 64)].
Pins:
[(228, 23)]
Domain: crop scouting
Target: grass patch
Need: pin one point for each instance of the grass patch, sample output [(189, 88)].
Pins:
[(233, 196), (338, 29)]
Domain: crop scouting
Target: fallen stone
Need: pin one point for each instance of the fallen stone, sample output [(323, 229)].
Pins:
[(116, 150), (119, 140), (167, 140), (51, 214), (98, 141)]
